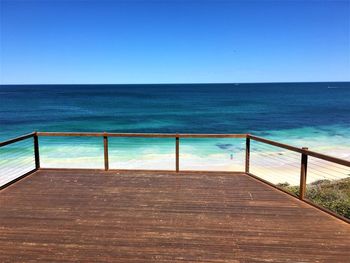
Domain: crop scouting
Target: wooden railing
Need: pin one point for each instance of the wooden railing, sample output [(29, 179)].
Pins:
[(177, 138), (304, 152), (18, 174), (33, 135)]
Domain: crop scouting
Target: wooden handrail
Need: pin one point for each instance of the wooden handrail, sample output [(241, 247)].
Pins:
[(186, 135), (302, 151), (274, 143), (153, 135), (212, 135), (73, 134), (17, 139), (327, 157)]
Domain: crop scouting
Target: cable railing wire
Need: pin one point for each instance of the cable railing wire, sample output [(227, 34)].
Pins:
[(322, 164), (16, 159), (276, 158)]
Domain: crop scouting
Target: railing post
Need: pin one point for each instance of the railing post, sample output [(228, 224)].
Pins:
[(177, 153), (303, 173), (247, 154), (105, 146), (36, 151)]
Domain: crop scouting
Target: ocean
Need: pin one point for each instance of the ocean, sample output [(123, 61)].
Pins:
[(315, 115)]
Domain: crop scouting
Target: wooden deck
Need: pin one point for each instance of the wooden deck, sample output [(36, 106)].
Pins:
[(89, 216)]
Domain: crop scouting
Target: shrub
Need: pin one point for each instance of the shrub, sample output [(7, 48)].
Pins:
[(334, 195)]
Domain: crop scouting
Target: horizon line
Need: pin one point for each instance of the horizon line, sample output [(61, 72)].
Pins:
[(169, 83)]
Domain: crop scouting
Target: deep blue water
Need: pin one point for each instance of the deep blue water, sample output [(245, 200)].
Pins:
[(193, 108)]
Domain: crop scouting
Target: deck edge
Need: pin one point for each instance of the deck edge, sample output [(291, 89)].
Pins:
[(304, 201), (18, 179)]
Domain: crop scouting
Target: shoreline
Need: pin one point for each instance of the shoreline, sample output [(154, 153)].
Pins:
[(273, 170)]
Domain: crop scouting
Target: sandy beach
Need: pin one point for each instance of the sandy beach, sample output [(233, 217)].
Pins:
[(275, 167)]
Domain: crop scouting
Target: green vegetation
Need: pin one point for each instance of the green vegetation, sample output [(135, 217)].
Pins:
[(334, 195)]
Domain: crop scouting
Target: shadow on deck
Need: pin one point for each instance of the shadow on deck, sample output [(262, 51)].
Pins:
[(86, 215)]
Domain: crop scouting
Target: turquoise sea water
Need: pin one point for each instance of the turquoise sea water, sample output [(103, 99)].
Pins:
[(316, 115), (212, 108)]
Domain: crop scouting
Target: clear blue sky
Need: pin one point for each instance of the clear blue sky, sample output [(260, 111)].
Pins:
[(174, 41)]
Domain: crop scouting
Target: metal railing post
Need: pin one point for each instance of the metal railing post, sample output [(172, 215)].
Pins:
[(36, 151), (105, 147), (303, 173), (247, 154), (177, 153)]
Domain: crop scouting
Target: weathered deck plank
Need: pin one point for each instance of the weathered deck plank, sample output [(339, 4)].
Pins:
[(88, 216)]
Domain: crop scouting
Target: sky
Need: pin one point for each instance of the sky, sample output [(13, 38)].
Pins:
[(117, 42)]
